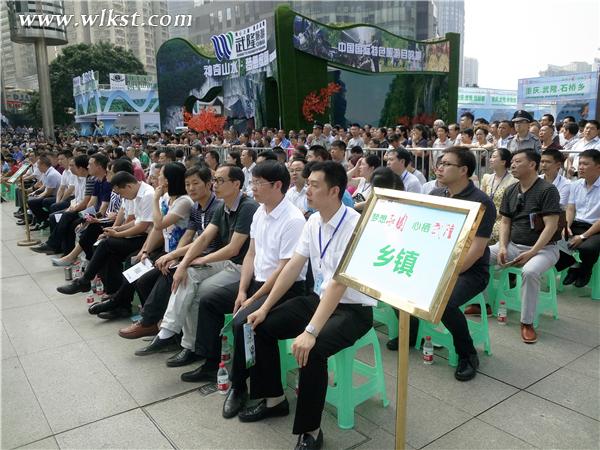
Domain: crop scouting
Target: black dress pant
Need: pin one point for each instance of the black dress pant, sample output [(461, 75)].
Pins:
[(108, 260), (347, 324), (62, 237), (89, 236), (588, 251), (468, 285), (54, 206), (36, 205), (239, 372), (154, 295), (125, 293)]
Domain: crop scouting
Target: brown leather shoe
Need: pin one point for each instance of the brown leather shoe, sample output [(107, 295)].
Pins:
[(528, 333), (137, 330), (475, 310)]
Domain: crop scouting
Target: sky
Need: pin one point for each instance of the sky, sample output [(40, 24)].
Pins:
[(515, 39)]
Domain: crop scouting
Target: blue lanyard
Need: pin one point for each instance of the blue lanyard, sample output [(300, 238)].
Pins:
[(323, 250), (404, 176)]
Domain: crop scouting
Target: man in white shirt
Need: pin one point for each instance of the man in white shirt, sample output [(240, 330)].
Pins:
[(569, 132), (50, 179), (398, 160), (589, 141), (121, 241), (65, 192), (326, 321), (356, 140), (504, 136), (248, 159), (550, 165), (297, 191)]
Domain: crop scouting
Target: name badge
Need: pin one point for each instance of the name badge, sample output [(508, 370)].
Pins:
[(318, 283)]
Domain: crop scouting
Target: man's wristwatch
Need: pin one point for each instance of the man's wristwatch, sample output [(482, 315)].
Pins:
[(311, 330), (583, 236)]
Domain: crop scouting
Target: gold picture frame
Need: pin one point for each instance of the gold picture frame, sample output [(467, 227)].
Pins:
[(21, 171), (451, 253)]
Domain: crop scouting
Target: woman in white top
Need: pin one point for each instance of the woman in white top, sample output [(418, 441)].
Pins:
[(171, 212), (494, 184), (365, 166)]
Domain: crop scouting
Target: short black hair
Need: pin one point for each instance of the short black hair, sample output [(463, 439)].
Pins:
[(373, 160), (169, 153), (549, 116), (250, 152), (121, 179), (468, 115), (335, 174), (174, 172), (531, 155), (445, 128), (237, 157), (122, 165), (570, 118), (203, 173), (505, 155), (268, 155), (100, 159), (66, 153), (339, 144), (555, 154), (280, 152), (235, 174), (468, 132), (485, 130), (465, 158), (273, 171), (356, 150), (402, 153), (595, 123), (592, 153), (81, 161), (572, 127), (384, 177), (302, 150), (320, 151)]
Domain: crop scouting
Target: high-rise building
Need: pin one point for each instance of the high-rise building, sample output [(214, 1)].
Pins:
[(566, 69), (18, 60), (410, 19), (470, 72), (451, 19)]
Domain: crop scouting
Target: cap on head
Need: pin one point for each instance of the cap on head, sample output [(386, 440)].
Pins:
[(522, 116)]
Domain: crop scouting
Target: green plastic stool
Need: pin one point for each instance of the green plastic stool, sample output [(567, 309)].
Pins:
[(343, 394), (8, 193), (547, 300), (440, 335), (594, 282), (385, 314)]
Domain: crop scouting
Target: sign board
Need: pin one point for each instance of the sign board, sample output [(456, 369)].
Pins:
[(568, 87), (239, 44), (407, 250), (117, 81), (86, 82), (369, 48), (15, 176)]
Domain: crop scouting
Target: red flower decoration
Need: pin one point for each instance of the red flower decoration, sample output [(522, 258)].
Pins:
[(318, 103), (208, 121)]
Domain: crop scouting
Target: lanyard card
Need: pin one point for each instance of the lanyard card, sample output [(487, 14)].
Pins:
[(249, 348)]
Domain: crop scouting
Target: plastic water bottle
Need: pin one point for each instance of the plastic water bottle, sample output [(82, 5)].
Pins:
[(94, 283), (77, 271), (225, 350), (502, 315), (89, 298), (99, 287), (428, 351), (222, 379), (297, 382)]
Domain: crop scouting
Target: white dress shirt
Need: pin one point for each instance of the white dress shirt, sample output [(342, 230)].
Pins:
[(298, 198), (564, 188), (587, 202), (411, 182), (309, 247), (143, 203), (275, 237), (247, 179)]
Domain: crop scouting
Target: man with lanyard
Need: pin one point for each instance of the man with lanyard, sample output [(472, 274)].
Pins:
[(454, 171), (199, 274), (398, 160), (274, 234), (326, 321), (154, 292), (550, 165)]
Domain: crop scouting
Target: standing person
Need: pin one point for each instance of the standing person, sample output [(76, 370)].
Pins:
[(454, 171), (248, 159), (297, 191), (523, 139), (504, 136), (326, 321), (588, 141)]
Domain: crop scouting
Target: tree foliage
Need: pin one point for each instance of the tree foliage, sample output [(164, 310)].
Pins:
[(74, 60)]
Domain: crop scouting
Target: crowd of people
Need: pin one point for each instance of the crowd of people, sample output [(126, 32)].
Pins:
[(256, 223)]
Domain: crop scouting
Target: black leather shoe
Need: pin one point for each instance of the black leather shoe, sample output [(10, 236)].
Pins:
[(260, 411), (78, 285), (117, 313), (467, 368), (183, 358), (159, 345), (571, 277), (44, 248), (202, 373), (103, 306), (583, 279), (307, 442), (234, 402), (392, 345)]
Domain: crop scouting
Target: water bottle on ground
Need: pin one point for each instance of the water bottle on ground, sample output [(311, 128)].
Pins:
[(502, 313), (94, 283), (89, 298), (428, 351), (222, 379), (225, 350), (99, 287), (77, 271)]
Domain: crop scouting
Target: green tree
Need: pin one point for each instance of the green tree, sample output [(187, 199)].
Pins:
[(74, 60), (34, 110)]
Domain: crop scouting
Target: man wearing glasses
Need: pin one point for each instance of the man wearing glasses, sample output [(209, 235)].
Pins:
[(198, 275), (528, 232)]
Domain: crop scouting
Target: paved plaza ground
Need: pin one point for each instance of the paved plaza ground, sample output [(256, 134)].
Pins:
[(69, 381)]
